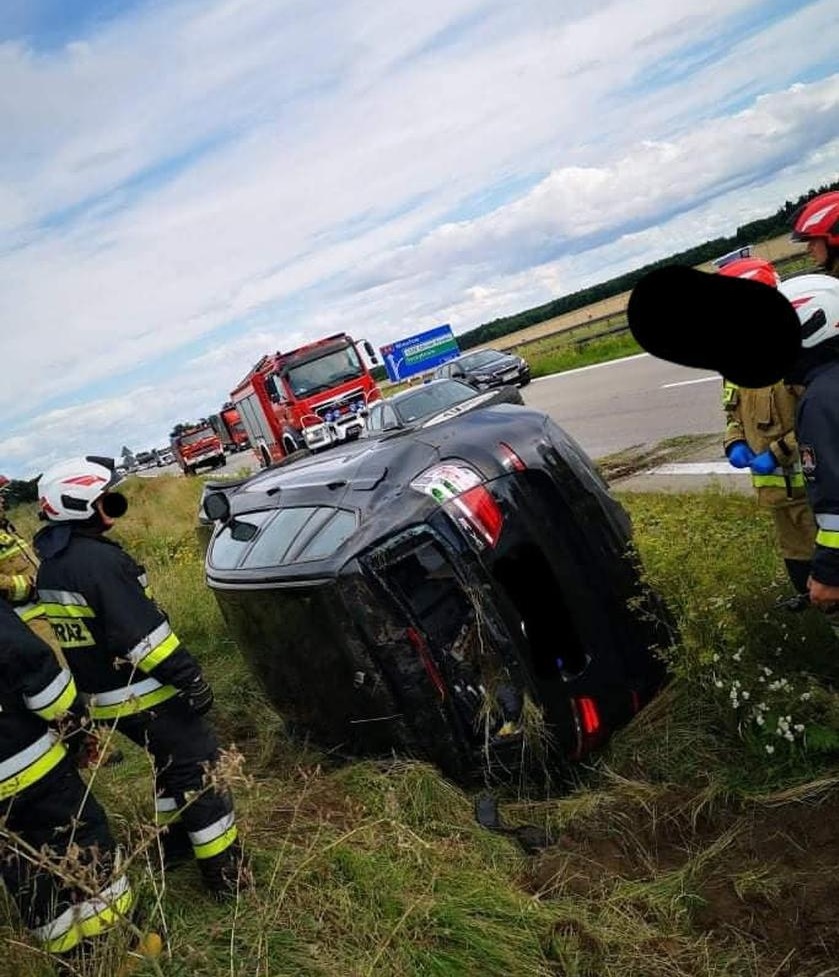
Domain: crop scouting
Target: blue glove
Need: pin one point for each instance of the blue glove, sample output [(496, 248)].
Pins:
[(740, 454), (763, 464)]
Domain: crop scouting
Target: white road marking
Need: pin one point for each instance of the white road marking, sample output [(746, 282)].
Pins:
[(685, 383), (698, 468)]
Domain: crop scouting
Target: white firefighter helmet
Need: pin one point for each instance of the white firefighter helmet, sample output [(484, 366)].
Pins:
[(816, 300), (68, 490)]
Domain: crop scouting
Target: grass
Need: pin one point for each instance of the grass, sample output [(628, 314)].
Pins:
[(675, 855)]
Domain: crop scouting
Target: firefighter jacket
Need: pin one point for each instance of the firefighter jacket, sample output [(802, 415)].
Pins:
[(18, 567), (817, 425), (34, 691), (118, 643), (765, 419)]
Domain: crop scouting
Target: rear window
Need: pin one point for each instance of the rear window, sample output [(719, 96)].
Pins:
[(276, 537)]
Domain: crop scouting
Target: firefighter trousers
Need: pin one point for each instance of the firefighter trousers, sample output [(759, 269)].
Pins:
[(54, 814), (198, 815)]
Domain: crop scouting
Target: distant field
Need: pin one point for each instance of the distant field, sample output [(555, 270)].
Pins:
[(776, 249)]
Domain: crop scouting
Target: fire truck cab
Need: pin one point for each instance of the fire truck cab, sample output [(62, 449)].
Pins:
[(312, 397)]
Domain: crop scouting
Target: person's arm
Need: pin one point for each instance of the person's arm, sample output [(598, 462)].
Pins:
[(731, 409), (817, 428), (135, 628)]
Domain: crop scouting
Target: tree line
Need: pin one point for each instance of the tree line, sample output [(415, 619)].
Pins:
[(755, 231)]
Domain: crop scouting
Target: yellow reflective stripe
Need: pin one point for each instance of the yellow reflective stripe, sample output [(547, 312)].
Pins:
[(160, 653), (217, 845), (828, 538), (729, 391), (9, 551), (133, 704), (166, 810), (30, 611), (61, 704), (796, 480), (93, 925), (60, 611), (20, 587), (33, 773)]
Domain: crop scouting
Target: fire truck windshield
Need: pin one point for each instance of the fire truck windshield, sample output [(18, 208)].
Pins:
[(195, 436), (334, 367)]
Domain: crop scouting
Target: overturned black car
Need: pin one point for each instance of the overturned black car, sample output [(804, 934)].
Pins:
[(466, 594)]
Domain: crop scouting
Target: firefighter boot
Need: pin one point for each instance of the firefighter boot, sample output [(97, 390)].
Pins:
[(227, 874), (177, 848)]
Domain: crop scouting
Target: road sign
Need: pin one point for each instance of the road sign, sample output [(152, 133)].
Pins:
[(416, 354)]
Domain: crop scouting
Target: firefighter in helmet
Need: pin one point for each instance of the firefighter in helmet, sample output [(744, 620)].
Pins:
[(815, 299), (760, 435), (18, 569), (817, 223), (125, 656), (57, 856)]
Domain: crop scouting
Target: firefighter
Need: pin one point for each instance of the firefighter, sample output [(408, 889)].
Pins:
[(817, 223), (124, 654), (760, 435), (18, 569), (815, 299), (45, 806)]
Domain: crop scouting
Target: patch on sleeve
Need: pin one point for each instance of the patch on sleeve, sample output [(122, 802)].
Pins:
[(808, 460)]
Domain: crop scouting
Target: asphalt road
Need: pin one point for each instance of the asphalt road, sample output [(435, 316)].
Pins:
[(641, 400), (606, 408)]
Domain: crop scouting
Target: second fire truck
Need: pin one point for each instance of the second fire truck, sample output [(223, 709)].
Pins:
[(311, 397)]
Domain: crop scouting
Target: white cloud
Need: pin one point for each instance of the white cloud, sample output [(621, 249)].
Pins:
[(196, 177)]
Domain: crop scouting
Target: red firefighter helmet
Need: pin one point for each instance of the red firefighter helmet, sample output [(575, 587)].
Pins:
[(4, 482), (819, 217), (757, 269)]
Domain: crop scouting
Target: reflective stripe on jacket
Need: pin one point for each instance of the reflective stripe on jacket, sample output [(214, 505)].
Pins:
[(118, 643), (34, 691)]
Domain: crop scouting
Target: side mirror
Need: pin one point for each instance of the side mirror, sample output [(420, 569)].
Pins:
[(274, 390), (217, 507), (368, 348)]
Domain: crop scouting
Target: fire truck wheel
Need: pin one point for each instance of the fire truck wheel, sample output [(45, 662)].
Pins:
[(292, 442)]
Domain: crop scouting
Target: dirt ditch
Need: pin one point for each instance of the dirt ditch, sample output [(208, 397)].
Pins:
[(763, 874)]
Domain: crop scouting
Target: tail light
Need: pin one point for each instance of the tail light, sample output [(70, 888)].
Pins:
[(590, 729), (483, 513), (461, 491), (509, 459)]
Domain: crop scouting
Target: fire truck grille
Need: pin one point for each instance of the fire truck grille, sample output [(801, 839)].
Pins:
[(343, 406)]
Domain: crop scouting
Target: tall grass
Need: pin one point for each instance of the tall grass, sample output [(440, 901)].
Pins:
[(379, 867)]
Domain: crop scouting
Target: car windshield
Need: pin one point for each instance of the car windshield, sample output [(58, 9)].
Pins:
[(414, 405), (479, 359)]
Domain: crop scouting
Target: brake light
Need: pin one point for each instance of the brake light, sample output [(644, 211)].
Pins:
[(483, 513), (509, 459), (589, 716), (462, 493)]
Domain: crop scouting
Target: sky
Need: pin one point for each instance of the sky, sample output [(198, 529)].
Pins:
[(187, 185)]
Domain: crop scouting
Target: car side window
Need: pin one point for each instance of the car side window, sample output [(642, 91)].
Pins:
[(389, 418), (374, 418)]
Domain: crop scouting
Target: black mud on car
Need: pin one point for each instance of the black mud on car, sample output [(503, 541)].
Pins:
[(466, 594)]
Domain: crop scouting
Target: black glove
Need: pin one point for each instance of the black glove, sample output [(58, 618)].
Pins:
[(199, 695)]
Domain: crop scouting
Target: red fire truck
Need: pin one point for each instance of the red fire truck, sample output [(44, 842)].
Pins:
[(228, 426), (196, 446), (311, 397)]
